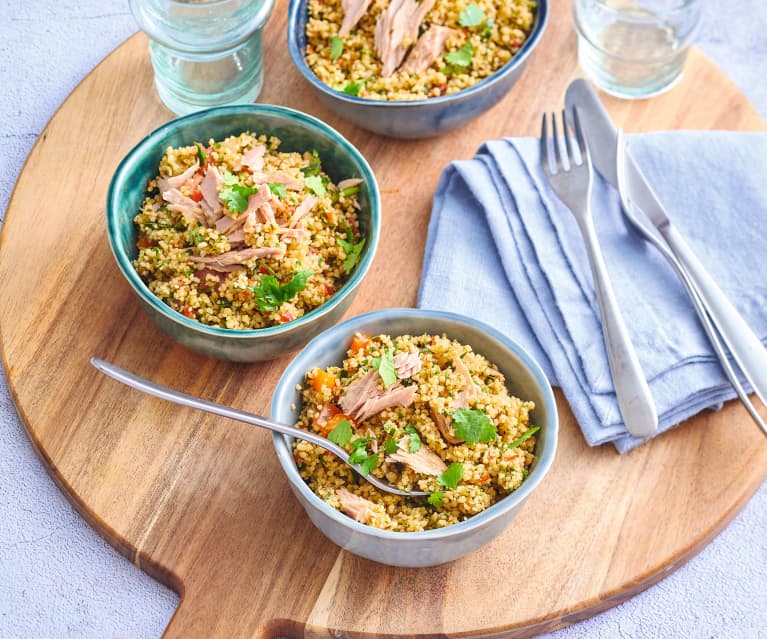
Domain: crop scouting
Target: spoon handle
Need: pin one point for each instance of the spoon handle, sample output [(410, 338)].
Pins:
[(177, 397)]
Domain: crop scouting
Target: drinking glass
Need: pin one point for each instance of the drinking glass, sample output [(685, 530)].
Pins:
[(205, 52), (635, 48)]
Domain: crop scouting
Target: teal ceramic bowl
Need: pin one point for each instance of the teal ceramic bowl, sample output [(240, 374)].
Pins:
[(524, 378), (298, 132), (414, 118)]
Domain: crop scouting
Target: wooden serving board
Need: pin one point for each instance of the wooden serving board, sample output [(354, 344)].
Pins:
[(200, 503)]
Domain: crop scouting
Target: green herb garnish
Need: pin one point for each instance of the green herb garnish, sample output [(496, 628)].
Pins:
[(359, 456), (342, 433), (461, 57), (473, 426), (390, 446), (451, 476), (315, 184), (201, 156), (353, 88), (353, 253), (435, 499), (336, 48), (235, 195), (525, 436), (413, 439), (315, 166), (471, 16), (278, 189), (270, 294), (350, 191), (385, 367)]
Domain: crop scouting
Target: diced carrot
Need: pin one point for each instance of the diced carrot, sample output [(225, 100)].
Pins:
[(322, 379), (145, 242), (329, 417), (333, 422), (188, 311), (196, 195), (360, 342)]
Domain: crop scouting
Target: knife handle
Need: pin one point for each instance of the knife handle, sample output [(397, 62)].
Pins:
[(632, 392), (744, 345)]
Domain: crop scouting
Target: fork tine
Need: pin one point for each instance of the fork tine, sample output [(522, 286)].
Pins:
[(582, 145), (545, 145), (566, 133), (555, 141)]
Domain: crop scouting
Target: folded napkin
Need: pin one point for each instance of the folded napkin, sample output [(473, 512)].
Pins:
[(501, 247)]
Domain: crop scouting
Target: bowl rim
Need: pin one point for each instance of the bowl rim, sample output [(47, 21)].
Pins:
[(311, 122), (545, 460), (541, 20)]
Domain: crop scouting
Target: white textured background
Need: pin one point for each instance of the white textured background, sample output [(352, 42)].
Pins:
[(59, 579)]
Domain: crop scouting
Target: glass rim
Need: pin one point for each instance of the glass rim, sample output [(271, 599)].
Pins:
[(680, 6)]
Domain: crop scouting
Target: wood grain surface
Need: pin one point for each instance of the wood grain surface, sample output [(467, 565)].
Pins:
[(200, 502)]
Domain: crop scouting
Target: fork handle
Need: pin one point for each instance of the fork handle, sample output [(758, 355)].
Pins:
[(631, 390), (743, 343)]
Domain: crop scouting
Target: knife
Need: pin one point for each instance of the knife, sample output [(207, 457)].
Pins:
[(745, 347)]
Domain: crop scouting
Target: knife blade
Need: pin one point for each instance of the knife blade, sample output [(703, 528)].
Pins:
[(745, 347)]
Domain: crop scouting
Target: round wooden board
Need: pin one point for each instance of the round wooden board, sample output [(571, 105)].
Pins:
[(200, 503)]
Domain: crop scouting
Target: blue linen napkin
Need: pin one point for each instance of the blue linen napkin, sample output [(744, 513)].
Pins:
[(503, 248)]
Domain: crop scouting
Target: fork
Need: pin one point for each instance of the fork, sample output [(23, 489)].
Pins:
[(571, 177)]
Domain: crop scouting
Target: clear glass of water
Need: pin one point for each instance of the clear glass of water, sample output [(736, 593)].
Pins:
[(635, 48), (205, 52)]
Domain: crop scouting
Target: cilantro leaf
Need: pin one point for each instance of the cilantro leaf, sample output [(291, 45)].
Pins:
[(471, 16), (353, 88), (358, 455), (353, 253), (385, 367), (473, 426), (236, 196), (314, 167), (336, 48), (413, 439), (201, 156), (435, 499), (361, 442), (366, 466), (315, 184), (461, 57), (525, 436), (278, 189), (270, 295), (350, 191), (390, 446), (342, 433), (451, 476)]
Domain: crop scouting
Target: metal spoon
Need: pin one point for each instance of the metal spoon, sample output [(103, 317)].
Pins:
[(168, 394)]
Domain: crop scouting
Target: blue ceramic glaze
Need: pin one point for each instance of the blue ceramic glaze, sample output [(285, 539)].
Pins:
[(524, 378), (417, 118), (298, 132)]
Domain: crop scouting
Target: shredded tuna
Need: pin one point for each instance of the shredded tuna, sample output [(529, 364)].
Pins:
[(358, 508), (469, 394), (227, 225), (278, 177), (365, 398), (428, 48), (236, 258), (180, 203), (296, 234), (349, 183), (254, 159), (397, 29), (424, 461), (237, 236), (407, 364), (209, 187), (306, 206), (353, 11), (177, 181)]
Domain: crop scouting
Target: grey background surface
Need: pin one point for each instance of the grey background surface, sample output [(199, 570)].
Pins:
[(58, 578)]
